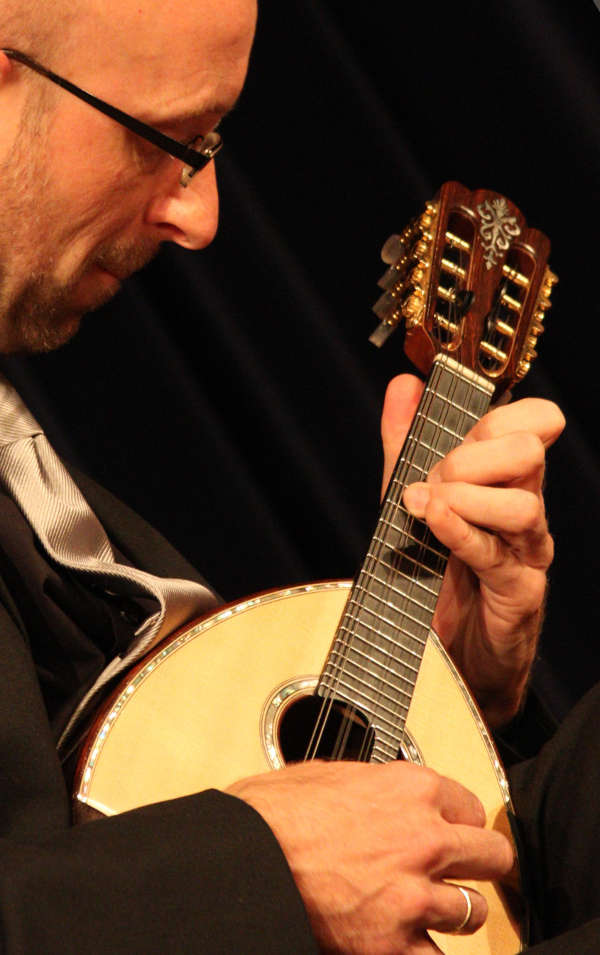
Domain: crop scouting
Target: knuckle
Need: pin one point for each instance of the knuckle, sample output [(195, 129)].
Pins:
[(558, 419), (507, 854), (477, 816), (447, 469), (530, 448), (485, 429), (433, 854), (529, 510), (439, 844), (431, 785), (466, 537), (419, 902)]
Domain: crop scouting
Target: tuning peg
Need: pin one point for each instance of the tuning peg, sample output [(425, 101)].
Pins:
[(383, 331), (522, 368), (393, 249), (536, 326), (412, 306), (389, 277), (385, 306), (417, 275)]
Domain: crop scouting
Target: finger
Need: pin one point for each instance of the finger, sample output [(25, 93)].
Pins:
[(543, 418), (500, 564), (449, 798), (507, 511), (475, 853), (456, 803), (401, 400), (517, 458), (458, 910)]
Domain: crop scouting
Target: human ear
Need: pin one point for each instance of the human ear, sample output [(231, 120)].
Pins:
[(5, 66)]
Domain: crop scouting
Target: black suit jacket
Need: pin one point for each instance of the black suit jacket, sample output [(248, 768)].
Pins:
[(200, 874)]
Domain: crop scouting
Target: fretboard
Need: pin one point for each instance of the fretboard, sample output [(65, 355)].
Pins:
[(375, 658)]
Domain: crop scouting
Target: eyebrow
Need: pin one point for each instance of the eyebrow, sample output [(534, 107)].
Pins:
[(222, 110)]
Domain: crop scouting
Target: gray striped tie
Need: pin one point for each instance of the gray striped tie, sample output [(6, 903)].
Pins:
[(72, 535)]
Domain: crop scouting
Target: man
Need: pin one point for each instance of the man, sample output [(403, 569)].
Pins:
[(85, 202)]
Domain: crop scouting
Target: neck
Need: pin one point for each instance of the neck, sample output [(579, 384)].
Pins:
[(375, 659)]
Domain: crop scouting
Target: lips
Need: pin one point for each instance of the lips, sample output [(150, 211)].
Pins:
[(113, 274)]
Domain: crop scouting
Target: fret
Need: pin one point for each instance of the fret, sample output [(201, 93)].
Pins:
[(453, 434), (385, 753), (388, 660), (413, 467), (411, 560), (364, 702), (361, 589), (412, 581), (389, 578), (439, 416), (447, 403), (391, 697), (398, 626), (421, 444), (405, 533), (386, 620), (444, 399), (351, 640), (393, 685), (466, 375)]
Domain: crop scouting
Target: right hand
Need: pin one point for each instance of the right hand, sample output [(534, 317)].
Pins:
[(370, 847)]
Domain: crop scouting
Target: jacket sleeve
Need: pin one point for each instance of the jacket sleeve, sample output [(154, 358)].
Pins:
[(525, 735), (200, 874)]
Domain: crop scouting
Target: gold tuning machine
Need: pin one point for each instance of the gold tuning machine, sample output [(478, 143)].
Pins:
[(406, 281), (536, 327)]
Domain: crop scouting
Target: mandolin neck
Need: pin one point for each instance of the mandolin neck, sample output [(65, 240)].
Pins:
[(375, 658)]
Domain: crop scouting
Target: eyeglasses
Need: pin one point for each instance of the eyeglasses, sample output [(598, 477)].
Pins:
[(194, 155)]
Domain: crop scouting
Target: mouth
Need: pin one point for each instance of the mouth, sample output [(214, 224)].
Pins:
[(96, 287), (110, 274)]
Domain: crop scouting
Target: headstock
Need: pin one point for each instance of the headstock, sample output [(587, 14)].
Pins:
[(470, 279)]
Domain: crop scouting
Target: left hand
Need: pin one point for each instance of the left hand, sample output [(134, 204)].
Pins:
[(484, 502)]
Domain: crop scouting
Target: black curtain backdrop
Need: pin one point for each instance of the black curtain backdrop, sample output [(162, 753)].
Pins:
[(231, 396)]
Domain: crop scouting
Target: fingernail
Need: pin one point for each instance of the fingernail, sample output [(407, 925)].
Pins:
[(416, 498)]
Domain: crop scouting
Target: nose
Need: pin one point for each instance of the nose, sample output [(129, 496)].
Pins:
[(187, 216)]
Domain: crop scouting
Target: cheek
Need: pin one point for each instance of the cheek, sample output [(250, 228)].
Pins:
[(98, 203), (94, 181)]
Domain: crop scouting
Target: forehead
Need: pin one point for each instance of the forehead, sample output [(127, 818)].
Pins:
[(180, 57)]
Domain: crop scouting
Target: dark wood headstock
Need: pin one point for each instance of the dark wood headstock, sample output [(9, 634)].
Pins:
[(471, 280)]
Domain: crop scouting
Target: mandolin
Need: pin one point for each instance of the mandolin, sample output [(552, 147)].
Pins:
[(342, 670)]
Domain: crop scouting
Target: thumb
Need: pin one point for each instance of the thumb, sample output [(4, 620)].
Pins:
[(401, 400)]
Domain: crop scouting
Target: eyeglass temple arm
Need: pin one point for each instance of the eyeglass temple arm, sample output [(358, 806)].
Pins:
[(189, 156)]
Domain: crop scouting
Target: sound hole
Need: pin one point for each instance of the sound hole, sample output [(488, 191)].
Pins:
[(332, 730)]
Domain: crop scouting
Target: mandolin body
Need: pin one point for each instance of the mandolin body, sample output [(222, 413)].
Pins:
[(205, 708)]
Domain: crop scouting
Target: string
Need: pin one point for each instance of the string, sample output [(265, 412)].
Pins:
[(389, 512), (395, 519), (357, 608)]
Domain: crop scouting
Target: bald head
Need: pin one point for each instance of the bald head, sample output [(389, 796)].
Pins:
[(46, 27)]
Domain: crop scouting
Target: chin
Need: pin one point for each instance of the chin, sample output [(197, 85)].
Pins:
[(37, 338)]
